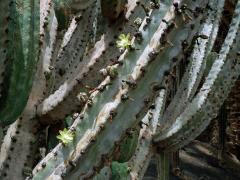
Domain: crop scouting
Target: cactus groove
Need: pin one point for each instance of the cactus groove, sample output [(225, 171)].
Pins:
[(94, 89)]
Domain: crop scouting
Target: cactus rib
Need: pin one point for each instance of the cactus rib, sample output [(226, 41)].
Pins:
[(48, 34), (23, 27), (100, 56), (103, 89), (196, 67), (138, 164), (111, 88), (74, 44), (87, 137), (204, 106)]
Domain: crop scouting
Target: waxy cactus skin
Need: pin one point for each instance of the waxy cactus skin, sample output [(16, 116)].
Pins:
[(110, 84)]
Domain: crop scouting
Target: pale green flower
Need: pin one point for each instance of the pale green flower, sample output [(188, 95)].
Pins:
[(124, 41), (65, 136)]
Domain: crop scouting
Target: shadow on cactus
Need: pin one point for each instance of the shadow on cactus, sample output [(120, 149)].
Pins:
[(119, 82)]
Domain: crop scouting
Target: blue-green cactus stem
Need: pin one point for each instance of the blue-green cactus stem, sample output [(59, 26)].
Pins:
[(48, 34), (128, 145), (95, 106), (122, 114), (21, 135), (104, 174), (130, 61), (99, 133), (19, 149), (75, 41), (4, 21), (63, 100), (214, 91), (22, 50), (197, 63), (144, 151)]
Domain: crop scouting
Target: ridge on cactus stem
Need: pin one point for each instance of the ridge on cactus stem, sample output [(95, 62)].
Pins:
[(65, 136), (115, 89)]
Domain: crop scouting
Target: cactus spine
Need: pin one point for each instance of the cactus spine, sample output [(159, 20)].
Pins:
[(212, 94), (109, 66)]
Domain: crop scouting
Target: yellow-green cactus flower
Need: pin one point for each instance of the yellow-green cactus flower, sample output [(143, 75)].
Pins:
[(65, 136), (124, 41)]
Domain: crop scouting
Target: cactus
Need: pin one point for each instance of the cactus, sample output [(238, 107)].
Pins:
[(129, 84), (211, 95), (110, 66), (144, 152), (20, 50), (104, 53), (203, 43)]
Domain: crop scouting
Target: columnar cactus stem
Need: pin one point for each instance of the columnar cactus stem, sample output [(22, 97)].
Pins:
[(57, 105), (5, 14), (22, 50), (139, 163), (215, 89), (116, 65), (20, 139), (67, 90), (197, 63), (102, 126), (48, 33), (163, 165), (74, 44), (98, 58), (109, 89), (21, 135), (216, 23)]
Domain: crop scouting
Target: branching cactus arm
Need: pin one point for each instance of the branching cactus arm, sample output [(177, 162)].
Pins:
[(155, 76), (18, 148), (216, 24), (74, 44), (215, 89), (144, 151), (197, 63), (64, 100), (92, 112), (116, 63), (21, 135), (48, 34)]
